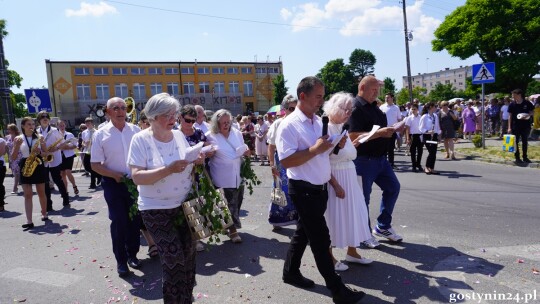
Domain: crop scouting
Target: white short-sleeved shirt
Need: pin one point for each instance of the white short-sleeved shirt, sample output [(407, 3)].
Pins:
[(204, 126), (110, 146), (51, 134), (413, 122), (25, 150), (68, 136), (297, 133), (393, 114), (272, 132), (430, 123), (87, 135), (504, 111), (225, 164), (147, 152)]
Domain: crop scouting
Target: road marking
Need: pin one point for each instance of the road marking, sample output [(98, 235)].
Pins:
[(41, 276)]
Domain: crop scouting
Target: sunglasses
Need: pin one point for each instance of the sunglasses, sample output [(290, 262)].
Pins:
[(45, 116), (189, 121), (291, 109), (116, 108)]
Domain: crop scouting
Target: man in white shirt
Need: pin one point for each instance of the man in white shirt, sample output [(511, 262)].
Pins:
[(53, 141), (305, 154), (2, 173), (201, 120), (504, 116), (110, 149), (393, 115)]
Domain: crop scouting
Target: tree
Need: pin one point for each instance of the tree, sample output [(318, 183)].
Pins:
[(402, 96), (533, 88), (472, 91), (502, 31), (336, 77), (442, 92), (389, 86), (361, 63), (18, 104), (280, 90)]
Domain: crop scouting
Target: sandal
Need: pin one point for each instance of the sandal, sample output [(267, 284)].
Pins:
[(76, 190), (153, 251), (235, 238)]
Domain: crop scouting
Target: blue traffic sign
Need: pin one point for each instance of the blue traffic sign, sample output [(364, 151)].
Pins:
[(38, 100), (483, 73)]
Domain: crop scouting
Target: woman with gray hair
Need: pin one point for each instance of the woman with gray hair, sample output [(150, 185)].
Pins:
[(157, 162), (225, 165), (279, 216), (346, 213)]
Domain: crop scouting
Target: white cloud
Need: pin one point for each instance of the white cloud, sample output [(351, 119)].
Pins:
[(373, 21), (309, 14), (348, 7), (285, 13), (94, 10)]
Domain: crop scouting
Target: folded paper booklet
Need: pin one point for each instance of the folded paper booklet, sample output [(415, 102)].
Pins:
[(336, 138), (192, 153), (366, 138)]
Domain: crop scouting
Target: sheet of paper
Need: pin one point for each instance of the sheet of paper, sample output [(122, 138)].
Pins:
[(192, 153), (336, 138), (373, 130), (207, 149)]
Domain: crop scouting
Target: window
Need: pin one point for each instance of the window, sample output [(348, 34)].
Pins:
[(119, 71), (246, 70), (137, 71), (204, 87), (102, 91), (172, 88), (447, 81), (461, 83), (248, 88), (459, 75), (154, 71), (101, 71), (203, 70), (219, 87), (437, 75), (82, 71), (233, 87), (189, 88), (260, 70), (273, 70), (83, 92), (155, 88), (218, 71), (121, 90), (187, 70), (232, 70), (138, 91), (171, 71)]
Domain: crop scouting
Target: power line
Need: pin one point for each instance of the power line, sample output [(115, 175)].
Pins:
[(243, 20)]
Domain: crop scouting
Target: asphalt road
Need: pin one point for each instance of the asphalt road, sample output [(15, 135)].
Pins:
[(473, 229)]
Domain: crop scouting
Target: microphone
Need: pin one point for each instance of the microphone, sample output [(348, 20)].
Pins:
[(336, 149), (324, 125)]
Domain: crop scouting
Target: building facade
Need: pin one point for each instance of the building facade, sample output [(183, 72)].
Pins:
[(79, 88), (456, 77)]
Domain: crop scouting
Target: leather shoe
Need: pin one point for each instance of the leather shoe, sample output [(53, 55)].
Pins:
[(346, 295), (123, 270), (134, 263), (298, 280)]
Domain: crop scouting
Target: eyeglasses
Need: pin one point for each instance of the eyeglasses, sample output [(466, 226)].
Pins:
[(291, 109), (116, 108), (45, 116), (346, 110), (189, 121)]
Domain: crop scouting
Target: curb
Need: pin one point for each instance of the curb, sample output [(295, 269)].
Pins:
[(533, 165)]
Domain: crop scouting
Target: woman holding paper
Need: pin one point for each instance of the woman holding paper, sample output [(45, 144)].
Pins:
[(225, 165), (430, 128), (157, 159), (346, 213)]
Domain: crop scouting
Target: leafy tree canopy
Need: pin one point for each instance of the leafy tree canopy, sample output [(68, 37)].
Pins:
[(362, 63), (389, 86), (280, 90), (402, 96), (336, 77), (442, 92), (502, 31)]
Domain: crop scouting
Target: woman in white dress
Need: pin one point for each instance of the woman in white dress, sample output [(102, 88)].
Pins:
[(261, 148), (346, 214)]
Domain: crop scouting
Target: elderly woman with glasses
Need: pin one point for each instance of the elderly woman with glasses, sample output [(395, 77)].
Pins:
[(225, 165), (157, 161), (280, 216)]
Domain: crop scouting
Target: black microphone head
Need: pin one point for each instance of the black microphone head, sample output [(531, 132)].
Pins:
[(345, 127), (325, 121)]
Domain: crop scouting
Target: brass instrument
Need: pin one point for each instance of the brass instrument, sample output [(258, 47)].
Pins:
[(32, 161), (49, 158), (131, 110)]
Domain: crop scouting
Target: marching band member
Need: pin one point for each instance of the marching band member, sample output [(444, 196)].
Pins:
[(68, 155), (87, 137)]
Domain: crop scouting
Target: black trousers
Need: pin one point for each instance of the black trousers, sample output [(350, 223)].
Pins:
[(311, 205), (94, 176), (57, 179), (391, 147), (432, 150), (416, 149), (523, 135), (2, 188)]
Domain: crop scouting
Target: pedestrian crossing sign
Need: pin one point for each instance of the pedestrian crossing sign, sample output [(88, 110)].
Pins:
[(483, 73)]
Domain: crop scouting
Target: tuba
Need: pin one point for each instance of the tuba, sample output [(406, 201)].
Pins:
[(49, 158), (131, 110), (32, 161)]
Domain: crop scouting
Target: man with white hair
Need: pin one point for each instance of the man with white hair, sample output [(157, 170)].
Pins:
[(201, 120)]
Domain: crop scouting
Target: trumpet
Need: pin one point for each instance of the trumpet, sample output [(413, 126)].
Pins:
[(49, 158)]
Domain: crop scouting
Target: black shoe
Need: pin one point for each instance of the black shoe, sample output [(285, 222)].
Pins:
[(92, 187), (123, 270), (28, 226), (298, 280), (527, 160), (420, 168), (346, 295), (519, 161), (414, 169), (65, 202), (44, 218), (134, 263)]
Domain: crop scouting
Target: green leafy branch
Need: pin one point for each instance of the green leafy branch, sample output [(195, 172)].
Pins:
[(134, 194), (248, 175)]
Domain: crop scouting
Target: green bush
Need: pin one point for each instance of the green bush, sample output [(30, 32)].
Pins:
[(477, 140)]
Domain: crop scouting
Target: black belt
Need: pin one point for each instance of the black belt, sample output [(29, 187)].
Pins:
[(301, 183)]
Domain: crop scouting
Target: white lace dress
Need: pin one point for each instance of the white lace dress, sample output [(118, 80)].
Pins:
[(347, 218)]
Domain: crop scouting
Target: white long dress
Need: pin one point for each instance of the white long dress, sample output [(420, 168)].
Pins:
[(347, 218)]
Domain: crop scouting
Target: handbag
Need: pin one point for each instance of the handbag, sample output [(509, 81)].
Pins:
[(277, 196), (509, 143)]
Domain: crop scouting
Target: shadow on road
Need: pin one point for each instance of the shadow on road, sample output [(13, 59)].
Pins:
[(9, 214)]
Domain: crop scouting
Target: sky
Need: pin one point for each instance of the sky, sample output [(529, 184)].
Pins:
[(303, 34)]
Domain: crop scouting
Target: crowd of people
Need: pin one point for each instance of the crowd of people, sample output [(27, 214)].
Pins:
[(330, 209)]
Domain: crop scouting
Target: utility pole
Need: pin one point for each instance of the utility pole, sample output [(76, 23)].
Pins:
[(408, 36)]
